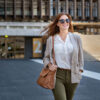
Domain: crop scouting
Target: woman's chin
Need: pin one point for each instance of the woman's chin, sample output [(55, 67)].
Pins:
[(65, 28)]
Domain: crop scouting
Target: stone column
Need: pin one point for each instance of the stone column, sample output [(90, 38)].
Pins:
[(14, 11), (83, 8), (67, 6), (75, 10), (32, 9), (91, 10), (5, 7), (50, 10), (23, 6), (98, 8), (47, 7), (57, 12)]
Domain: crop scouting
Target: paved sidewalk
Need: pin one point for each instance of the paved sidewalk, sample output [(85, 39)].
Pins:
[(91, 47), (18, 82)]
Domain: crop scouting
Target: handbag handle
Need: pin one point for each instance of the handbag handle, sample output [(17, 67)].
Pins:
[(53, 55)]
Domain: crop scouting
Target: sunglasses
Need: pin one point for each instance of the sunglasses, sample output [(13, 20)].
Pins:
[(62, 21)]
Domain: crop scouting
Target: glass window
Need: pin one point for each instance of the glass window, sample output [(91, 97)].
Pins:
[(95, 9), (54, 8), (62, 6), (9, 7), (11, 47), (71, 8), (87, 9), (2, 48), (51, 7), (18, 7), (35, 7), (1, 7), (27, 7), (79, 9), (43, 8), (19, 47)]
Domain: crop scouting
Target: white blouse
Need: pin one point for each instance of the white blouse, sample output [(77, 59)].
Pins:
[(63, 52)]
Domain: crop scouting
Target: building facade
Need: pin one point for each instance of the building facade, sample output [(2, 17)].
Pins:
[(22, 20), (46, 9)]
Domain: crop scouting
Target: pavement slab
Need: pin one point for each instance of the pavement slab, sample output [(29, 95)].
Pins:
[(18, 82)]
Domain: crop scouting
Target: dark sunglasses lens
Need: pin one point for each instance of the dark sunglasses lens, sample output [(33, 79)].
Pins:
[(67, 20), (61, 21)]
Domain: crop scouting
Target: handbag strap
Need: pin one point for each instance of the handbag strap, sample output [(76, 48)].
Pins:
[(53, 55)]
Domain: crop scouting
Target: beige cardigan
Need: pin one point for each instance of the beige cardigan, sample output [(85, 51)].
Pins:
[(77, 56)]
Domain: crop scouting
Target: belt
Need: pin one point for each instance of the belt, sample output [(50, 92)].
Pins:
[(64, 69)]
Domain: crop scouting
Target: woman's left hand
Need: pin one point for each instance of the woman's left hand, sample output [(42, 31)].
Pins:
[(81, 71), (53, 67)]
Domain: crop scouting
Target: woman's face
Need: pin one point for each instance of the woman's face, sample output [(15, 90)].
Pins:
[(63, 22)]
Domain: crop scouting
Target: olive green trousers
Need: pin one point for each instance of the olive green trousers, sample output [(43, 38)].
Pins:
[(64, 89)]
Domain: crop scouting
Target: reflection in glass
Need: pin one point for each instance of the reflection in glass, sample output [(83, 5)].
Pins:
[(11, 47), (1, 7), (9, 7)]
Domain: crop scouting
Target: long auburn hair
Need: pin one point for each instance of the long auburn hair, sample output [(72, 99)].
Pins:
[(53, 29)]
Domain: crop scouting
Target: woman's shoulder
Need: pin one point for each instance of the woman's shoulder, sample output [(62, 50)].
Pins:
[(49, 38), (76, 35)]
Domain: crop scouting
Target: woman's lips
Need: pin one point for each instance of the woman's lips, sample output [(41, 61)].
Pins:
[(65, 25)]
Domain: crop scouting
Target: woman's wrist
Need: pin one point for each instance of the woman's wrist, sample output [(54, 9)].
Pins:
[(49, 64)]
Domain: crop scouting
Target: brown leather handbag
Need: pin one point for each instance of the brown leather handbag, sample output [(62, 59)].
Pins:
[(47, 77)]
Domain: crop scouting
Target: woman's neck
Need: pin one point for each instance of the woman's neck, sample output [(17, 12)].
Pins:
[(63, 33)]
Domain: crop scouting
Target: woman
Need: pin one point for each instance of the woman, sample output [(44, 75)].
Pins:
[(68, 55)]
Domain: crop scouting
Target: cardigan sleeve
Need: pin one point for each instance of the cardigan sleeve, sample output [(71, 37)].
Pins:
[(80, 54), (46, 58)]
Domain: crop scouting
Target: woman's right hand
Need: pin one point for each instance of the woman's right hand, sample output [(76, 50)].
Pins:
[(52, 67)]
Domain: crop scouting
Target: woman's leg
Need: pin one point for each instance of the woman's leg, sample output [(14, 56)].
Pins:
[(70, 90), (59, 91), (70, 87)]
